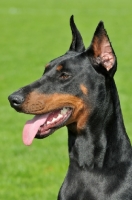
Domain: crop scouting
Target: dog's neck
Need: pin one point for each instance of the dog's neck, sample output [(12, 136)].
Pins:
[(104, 142)]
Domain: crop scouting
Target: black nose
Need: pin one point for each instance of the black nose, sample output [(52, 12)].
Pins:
[(16, 100)]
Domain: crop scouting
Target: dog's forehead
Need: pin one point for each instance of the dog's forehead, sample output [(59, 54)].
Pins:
[(65, 57)]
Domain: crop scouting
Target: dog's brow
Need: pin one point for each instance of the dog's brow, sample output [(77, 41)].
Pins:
[(59, 67)]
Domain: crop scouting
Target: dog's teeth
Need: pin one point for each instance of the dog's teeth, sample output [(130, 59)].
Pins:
[(59, 116), (64, 111), (53, 120), (48, 122)]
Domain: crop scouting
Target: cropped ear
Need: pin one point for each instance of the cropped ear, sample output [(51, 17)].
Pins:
[(101, 51), (77, 41)]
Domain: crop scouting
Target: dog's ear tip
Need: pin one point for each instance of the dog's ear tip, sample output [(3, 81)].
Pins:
[(100, 30), (101, 25), (71, 19), (77, 41)]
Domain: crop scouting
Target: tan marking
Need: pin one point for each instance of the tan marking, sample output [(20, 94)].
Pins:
[(47, 65), (37, 103), (83, 89), (59, 68)]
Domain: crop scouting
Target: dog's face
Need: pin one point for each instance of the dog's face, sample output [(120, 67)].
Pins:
[(62, 96)]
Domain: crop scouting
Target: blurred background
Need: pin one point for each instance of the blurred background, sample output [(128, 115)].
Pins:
[(32, 32)]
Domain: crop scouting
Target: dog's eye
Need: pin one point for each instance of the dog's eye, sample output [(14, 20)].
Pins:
[(64, 76)]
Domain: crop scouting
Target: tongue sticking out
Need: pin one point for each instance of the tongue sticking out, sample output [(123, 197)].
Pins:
[(31, 128)]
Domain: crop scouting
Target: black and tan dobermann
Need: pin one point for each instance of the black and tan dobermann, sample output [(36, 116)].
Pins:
[(77, 90)]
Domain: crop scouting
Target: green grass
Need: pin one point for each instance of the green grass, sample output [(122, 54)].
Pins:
[(31, 34)]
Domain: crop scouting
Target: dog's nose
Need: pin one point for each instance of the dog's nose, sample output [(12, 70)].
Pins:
[(16, 100)]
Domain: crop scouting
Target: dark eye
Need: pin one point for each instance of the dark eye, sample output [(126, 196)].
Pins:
[(64, 76)]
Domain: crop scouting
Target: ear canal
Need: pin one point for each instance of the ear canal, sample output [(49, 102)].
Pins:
[(102, 51), (77, 41)]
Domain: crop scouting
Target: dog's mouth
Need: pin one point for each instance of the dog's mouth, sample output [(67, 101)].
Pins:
[(42, 126)]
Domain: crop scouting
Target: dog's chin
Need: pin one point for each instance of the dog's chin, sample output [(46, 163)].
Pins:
[(53, 124)]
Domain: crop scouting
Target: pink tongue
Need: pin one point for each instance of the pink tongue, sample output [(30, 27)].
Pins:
[(31, 128)]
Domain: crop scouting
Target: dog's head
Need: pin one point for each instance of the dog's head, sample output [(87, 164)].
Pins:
[(69, 87)]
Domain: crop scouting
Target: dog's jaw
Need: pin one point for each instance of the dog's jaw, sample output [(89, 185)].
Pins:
[(42, 126)]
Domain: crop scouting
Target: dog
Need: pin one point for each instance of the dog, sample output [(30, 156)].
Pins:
[(77, 90)]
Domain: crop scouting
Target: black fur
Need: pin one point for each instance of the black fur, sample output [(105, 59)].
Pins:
[(100, 153)]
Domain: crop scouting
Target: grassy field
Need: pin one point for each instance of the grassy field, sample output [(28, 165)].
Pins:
[(32, 32)]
